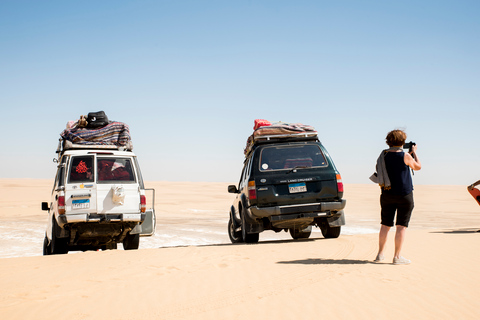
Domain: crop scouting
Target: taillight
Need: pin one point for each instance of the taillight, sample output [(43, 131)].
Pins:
[(143, 203), (339, 183), (61, 204), (252, 192)]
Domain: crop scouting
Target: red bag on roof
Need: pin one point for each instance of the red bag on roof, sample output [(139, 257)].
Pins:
[(261, 123)]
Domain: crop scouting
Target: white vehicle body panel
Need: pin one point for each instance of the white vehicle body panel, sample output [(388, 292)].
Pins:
[(98, 201)]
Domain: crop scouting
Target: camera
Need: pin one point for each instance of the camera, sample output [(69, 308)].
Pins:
[(409, 145)]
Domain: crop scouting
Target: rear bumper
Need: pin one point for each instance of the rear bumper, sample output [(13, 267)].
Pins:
[(313, 210), (105, 218)]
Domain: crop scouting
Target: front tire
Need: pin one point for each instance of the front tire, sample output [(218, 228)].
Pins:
[(131, 241), (110, 246)]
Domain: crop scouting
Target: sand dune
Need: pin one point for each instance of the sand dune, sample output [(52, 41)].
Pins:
[(276, 279)]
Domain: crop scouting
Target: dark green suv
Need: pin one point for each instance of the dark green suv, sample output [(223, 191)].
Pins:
[(288, 183)]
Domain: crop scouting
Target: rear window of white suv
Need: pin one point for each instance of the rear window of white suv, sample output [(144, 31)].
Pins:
[(81, 169), (114, 169)]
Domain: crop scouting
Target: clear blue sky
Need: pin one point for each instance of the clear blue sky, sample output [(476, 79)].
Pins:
[(190, 77)]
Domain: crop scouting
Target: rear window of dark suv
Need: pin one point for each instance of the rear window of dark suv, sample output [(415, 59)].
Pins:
[(287, 157)]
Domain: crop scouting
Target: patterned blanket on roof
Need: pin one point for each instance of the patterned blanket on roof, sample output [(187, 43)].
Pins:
[(280, 128), (276, 128), (114, 133)]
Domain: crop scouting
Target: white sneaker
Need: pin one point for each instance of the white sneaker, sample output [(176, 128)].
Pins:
[(379, 258), (401, 260)]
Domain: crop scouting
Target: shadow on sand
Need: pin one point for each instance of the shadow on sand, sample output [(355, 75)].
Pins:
[(458, 231), (327, 261)]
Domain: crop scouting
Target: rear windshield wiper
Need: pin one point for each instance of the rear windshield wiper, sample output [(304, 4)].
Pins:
[(294, 169)]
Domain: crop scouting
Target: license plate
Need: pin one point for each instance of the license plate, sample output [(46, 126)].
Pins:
[(81, 204), (131, 217), (297, 187)]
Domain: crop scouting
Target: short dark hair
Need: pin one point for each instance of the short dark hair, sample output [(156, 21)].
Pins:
[(396, 138)]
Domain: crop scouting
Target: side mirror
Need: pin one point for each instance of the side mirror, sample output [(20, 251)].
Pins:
[(232, 189), (45, 206)]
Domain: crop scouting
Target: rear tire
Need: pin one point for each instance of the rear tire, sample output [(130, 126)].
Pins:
[(330, 232), (248, 237), (235, 236), (47, 247), (58, 245), (131, 241), (301, 234)]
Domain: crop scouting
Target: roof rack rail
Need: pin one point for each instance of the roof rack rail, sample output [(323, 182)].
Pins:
[(64, 145), (297, 136), (277, 138)]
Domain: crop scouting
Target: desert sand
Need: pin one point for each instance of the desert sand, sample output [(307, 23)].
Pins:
[(189, 270)]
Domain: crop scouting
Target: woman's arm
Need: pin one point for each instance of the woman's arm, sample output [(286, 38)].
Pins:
[(473, 185), (412, 160)]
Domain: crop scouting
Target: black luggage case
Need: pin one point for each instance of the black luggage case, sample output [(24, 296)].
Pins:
[(97, 119)]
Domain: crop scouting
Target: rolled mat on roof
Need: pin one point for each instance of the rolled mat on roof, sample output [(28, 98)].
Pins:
[(114, 133)]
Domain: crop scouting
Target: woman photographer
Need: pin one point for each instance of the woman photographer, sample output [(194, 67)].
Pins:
[(397, 191)]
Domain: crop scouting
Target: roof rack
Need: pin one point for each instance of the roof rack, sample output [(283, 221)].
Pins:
[(64, 145), (253, 140), (290, 136)]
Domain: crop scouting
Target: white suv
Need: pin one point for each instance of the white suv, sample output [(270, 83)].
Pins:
[(98, 200)]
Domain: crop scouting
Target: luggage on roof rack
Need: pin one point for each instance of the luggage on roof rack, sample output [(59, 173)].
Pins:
[(278, 132), (97, 119), (114, 135)]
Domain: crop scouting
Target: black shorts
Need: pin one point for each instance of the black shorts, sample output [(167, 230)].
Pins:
[(391, 203)]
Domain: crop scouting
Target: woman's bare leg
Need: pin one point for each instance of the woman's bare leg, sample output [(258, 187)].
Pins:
[(399, 239), (382, 239)]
